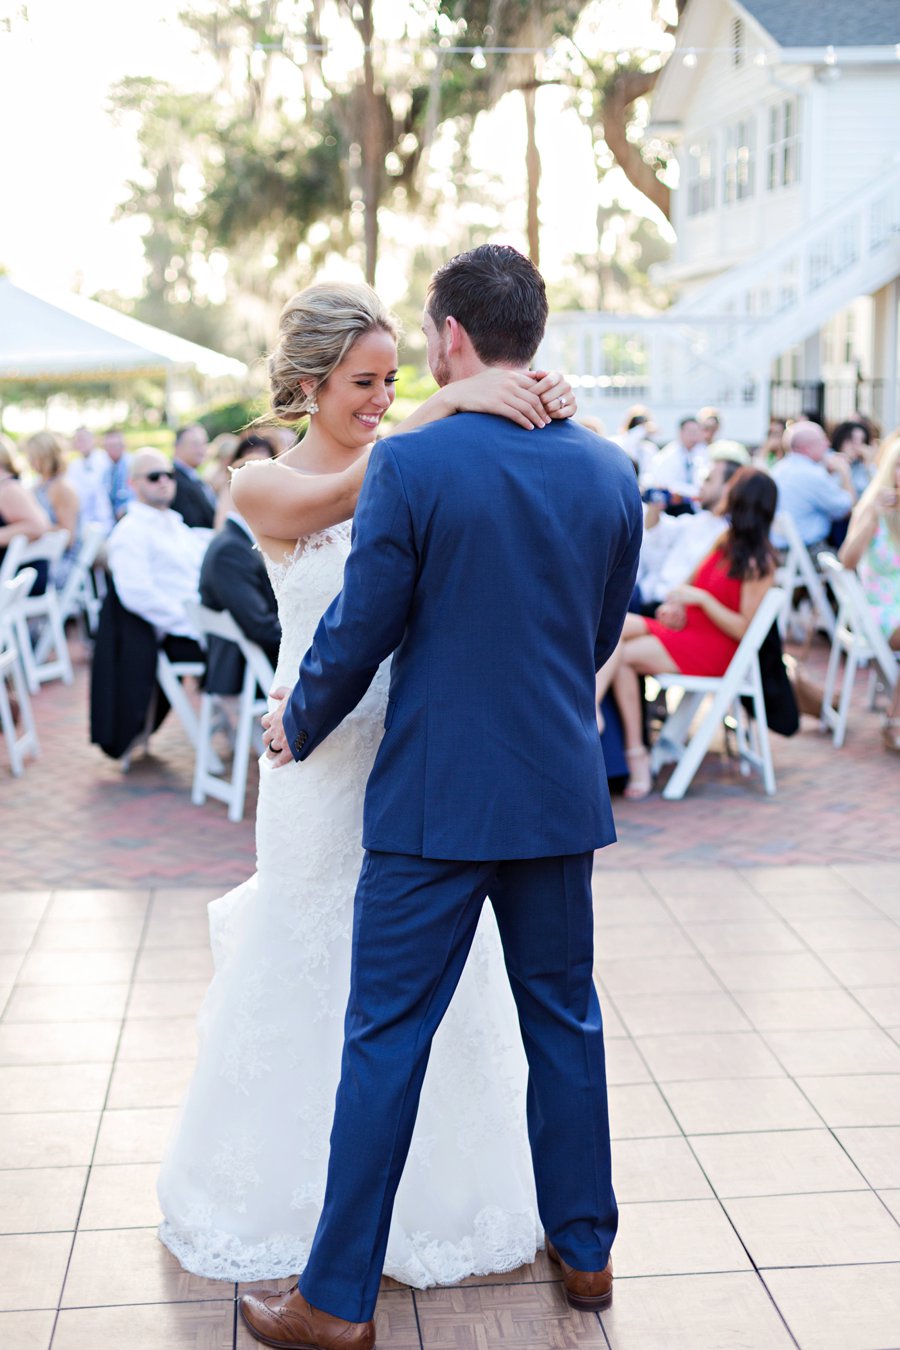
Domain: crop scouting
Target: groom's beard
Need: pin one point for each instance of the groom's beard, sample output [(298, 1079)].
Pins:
[(441, 371)]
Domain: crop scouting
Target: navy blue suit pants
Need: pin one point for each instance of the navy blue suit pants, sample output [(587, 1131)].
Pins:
[(414, 923)]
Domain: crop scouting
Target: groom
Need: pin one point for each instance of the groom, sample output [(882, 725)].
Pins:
[(496, 565)]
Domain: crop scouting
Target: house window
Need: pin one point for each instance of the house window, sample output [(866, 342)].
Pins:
[(701, 182), (737, 183), (784, 144)]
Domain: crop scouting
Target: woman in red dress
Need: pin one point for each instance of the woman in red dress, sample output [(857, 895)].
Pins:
[(698, 627)]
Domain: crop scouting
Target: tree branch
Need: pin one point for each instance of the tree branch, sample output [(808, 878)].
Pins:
[(623, 91)]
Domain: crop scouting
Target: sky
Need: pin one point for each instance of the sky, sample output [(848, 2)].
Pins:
[(64, 163)]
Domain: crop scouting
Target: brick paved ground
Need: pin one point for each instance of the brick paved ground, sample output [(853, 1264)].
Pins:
[(87, 824)]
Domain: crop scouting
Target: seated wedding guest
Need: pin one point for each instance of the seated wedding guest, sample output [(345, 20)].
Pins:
[(47, 456), (283, 438), (88, 474), (245, 448), (673, 545), (698, 629), (710, 424), (772, 448), (221, 453), (634, 437), (851, 439), (814, 487), (154, 558), (233, 578), (872, 546), (118, 476), (195, 500), (680, 466), (20, 512)]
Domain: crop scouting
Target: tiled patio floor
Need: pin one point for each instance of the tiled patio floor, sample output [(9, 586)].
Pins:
[(753, 1031), (749, 958)]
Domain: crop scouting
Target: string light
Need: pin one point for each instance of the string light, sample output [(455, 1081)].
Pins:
[(477, 53)]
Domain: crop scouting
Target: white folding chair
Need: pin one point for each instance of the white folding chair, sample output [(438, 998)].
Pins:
[(742, 679), (81, 596), (22, 741), (169, 675), (258, 676), (41, 613), (799, 569), (858, 641)]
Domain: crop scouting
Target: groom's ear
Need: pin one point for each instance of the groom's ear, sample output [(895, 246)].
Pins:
[(454, 334)]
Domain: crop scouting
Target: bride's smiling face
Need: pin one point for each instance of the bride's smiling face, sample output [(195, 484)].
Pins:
[(359, 391)]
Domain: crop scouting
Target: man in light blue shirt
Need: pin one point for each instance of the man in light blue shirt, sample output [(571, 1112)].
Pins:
[(814, 487)]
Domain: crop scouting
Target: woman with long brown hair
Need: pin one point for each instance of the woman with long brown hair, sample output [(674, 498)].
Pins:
[(698, 627)]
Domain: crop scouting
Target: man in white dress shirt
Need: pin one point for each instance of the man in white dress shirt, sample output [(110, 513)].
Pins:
[(153, 556), (680, 466), (88, 473)]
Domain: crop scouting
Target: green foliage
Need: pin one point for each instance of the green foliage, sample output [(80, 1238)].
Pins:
[(230, 417)]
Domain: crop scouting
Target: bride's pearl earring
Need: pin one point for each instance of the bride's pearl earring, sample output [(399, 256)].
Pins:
[(312, 406)]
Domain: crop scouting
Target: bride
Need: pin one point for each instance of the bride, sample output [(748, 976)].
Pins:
[(242, 1182)]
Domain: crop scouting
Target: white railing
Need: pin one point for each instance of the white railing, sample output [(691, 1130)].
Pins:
[(788, 292), (717, 346), (616, 360)]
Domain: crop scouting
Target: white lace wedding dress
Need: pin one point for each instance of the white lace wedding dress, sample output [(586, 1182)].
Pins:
[(244, 1175)]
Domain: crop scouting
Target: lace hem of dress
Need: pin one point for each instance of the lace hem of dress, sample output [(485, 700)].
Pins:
[(501, 1242)]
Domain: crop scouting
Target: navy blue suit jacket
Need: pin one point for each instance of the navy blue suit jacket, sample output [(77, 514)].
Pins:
[(497, 565)]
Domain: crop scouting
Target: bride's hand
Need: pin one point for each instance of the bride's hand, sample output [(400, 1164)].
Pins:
[(505, 393), (555, 393)]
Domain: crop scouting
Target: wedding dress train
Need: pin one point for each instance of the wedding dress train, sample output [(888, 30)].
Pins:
[(242, 1182)]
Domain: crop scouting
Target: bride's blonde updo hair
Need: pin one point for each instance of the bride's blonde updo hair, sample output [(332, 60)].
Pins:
[(316, 330)]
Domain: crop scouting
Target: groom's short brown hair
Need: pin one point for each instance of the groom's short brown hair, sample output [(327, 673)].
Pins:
[(499, 298)]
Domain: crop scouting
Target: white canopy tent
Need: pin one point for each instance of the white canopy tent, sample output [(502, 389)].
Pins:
[(47, 338)]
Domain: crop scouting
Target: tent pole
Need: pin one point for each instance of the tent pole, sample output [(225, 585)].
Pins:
[(170, 393)]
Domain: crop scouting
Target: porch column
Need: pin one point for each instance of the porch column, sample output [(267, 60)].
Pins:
[(885, 309)]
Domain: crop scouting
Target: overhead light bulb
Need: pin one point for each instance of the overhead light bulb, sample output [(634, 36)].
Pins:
[(830, 55), (478, 60), (690, 59)]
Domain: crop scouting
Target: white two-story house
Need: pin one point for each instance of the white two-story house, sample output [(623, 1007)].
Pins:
[(785, 116)]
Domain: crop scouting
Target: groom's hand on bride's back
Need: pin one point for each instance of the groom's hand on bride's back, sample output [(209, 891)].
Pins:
[(274, 737)]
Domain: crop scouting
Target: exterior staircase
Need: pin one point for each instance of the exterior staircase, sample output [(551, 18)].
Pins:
[(717, 345)]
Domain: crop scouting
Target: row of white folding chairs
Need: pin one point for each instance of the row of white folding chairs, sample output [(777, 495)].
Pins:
[(20, 740)]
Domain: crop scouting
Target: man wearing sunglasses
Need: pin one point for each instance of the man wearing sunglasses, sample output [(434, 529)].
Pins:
[(154, 558)]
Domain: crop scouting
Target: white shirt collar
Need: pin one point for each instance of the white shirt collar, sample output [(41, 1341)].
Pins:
[(239, 520)]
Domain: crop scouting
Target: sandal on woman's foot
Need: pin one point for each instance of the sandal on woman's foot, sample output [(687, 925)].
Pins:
[(640, 779), (890, 734)]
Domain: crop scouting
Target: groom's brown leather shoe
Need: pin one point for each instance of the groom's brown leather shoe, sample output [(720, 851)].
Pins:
[(288, 1321), (586, 1290)]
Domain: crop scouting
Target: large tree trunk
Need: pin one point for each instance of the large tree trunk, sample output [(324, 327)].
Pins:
[(373, 149), (631, 85), (533, 170)]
